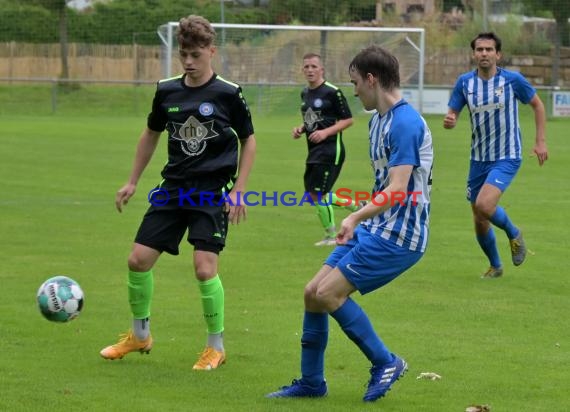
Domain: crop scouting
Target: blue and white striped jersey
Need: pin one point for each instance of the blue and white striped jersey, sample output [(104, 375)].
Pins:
[(402, 137), (493, 106)]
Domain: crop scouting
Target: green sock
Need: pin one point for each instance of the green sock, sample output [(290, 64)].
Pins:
[(337, 201), (141, 288), (212, 293), (326, 216)]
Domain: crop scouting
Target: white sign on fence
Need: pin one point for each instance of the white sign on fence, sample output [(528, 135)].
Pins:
[(434, 100), (561, 103)]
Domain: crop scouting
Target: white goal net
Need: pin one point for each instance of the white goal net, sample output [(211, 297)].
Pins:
[(266, 59)]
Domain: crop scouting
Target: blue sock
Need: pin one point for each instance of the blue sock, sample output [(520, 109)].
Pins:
[(489, 245), (355, 323), (313, 345), (502, 221)]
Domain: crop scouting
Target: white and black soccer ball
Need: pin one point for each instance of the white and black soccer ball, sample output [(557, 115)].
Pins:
[(60, 299)]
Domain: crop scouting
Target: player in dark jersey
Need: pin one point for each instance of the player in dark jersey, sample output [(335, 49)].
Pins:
[(325, 115), (207, 120)]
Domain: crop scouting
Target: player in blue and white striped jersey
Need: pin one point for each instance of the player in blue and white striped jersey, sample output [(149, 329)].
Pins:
[(376, 243), (401, 137), (491, 94)]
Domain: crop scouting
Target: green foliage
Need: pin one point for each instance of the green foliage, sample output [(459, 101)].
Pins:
[(331, 12), (125, 21), (54, 5), (555, 7), (21, 22), (114, 22), (516, 38), (560, 10), (248, 15), (467, 32), (509, 33), (448, 5)]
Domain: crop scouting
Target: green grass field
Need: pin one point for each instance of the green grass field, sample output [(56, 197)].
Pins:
[(502, 342)]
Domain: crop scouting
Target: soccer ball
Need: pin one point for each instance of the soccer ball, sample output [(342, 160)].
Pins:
[(60, 299)]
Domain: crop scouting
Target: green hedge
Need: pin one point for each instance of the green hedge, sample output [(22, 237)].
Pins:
[(115, 22)]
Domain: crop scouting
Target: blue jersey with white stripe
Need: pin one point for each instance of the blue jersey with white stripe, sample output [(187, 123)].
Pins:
[(493, 106), (402, 137)]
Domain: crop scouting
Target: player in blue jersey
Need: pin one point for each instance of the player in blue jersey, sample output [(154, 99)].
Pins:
[(491, 94), (325, 114), (378, 242), (211, 148)]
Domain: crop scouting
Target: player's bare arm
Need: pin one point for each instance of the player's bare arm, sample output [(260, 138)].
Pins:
[(298, 131), (145, 149), (539, 150), (238, 212), (399, 177), (319, 135)]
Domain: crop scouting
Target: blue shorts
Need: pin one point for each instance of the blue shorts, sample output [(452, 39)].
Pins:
[(369, 261), (499, 174)]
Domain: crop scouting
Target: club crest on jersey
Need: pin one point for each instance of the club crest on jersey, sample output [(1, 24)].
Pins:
[(193, 135), (311, 118), (499, 91), (206, 109), (318, 103)]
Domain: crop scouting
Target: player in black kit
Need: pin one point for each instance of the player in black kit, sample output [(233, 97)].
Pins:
[(325, 115), (207, 120)]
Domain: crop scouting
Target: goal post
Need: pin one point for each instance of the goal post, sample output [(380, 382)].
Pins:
[(269, 57)]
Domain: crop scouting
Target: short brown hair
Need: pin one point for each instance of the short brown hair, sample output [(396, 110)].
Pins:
[(311, 55), (487, 36), (195, 31), (380, 63)]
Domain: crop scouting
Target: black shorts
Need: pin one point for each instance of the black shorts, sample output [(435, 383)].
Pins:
[(320, 178), (163, 229)]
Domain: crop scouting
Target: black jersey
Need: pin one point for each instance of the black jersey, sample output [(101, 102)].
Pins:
[(204, 124), (321, 108)]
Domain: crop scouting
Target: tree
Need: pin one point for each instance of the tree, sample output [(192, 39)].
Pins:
[(319, 12), (59, 7), (560, 10)]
